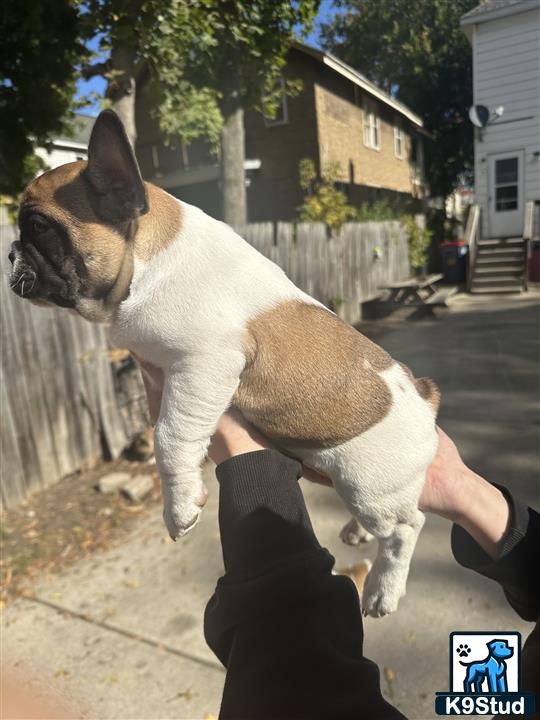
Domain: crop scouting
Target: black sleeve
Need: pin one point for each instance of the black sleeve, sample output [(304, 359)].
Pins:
[(517, 569), (288, 631)]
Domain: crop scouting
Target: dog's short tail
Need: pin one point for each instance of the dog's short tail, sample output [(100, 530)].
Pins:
[(428, 390)]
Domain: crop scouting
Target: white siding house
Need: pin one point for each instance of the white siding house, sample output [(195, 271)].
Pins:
[(505, 38), (68, 148)]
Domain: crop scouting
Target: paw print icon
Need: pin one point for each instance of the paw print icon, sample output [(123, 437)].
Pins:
[(463, 650)]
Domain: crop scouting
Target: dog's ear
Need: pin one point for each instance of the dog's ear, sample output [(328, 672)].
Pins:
[(113, 171)]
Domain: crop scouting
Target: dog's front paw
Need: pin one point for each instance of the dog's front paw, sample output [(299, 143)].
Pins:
[(381, 594), (180, 521), (354, 534), (181, 513)]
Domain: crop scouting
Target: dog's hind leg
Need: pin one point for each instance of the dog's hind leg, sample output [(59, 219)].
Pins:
[(353, 533), (387, 580)]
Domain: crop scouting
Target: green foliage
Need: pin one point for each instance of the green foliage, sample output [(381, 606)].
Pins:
[(202, 57), (245, 47), (40, 49), (418, 52), (419, 240), (377, 211), (323, 202)]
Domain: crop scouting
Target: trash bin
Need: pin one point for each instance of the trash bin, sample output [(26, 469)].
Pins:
[(534, 267), (454, 261)]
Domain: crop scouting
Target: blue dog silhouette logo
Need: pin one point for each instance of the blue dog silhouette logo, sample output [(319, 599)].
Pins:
[(488, 674), (485, 676)]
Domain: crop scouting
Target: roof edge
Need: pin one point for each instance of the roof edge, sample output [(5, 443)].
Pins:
[(471, 18), (358, 79)]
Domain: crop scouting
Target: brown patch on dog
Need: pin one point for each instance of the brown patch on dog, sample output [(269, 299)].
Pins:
[(65, 196), (160, 226), (306, 379)]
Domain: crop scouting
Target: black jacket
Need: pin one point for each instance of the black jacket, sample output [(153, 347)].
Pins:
[(288, 631)]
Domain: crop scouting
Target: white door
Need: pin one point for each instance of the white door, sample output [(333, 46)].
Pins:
[(505, 199)]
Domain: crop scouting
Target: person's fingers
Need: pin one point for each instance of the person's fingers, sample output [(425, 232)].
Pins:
[(234, 435), (313, 476)]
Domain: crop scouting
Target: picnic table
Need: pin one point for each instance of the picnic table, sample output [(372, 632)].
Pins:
[(419, 292)]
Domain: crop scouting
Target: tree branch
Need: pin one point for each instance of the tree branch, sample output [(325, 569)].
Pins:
[(101, 68)]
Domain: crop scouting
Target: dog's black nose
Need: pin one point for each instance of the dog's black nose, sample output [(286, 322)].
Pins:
[(11, 257)]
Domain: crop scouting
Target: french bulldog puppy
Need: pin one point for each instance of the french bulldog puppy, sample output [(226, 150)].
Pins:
[(187, 294)]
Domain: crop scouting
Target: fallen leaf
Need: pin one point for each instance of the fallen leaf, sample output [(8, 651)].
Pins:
[(133, 508), (389, 677), (186, 694)]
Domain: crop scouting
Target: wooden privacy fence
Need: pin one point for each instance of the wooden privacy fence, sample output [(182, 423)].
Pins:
[(342, 271), (67, 399)]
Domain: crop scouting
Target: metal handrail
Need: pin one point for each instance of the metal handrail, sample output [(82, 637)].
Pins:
[(528, 223), (471, 239)]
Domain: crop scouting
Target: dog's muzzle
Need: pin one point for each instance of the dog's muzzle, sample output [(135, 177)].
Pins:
[(23, 278), (33, 278)]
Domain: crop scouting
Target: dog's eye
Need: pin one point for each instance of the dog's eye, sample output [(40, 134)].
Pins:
[(38, 224)]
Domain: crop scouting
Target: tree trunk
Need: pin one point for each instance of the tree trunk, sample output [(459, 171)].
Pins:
[(233, 179), (121, 89)]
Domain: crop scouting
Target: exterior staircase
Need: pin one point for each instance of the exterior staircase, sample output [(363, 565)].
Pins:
[(499, 267)]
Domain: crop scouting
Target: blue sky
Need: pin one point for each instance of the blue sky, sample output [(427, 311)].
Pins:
[(97, 84)]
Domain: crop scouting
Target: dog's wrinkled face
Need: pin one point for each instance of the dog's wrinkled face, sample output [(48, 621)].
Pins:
[(76, 223)]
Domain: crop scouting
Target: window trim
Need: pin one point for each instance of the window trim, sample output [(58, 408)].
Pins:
[(275, 122), (371, 125), (399, 136)]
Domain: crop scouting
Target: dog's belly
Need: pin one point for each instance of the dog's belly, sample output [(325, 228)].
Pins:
[(310, 379)]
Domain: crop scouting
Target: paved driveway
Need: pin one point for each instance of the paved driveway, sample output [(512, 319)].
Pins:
[(119, 636)]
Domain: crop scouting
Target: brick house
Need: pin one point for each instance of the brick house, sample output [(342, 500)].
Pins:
[(339, 116)]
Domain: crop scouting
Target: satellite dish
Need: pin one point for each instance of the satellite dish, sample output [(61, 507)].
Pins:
[(479, 115)]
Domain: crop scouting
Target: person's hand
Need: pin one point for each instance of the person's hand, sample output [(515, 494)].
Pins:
[(455, 492), (445, 489), (234, 434)]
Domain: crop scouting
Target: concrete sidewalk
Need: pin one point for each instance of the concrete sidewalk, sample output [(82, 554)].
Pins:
[(120, 636)]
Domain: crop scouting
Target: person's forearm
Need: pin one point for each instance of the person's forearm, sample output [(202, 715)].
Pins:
[(287, 629), (483, 512)]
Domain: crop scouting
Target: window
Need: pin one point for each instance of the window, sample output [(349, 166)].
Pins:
[(281, 116), (506, 184), (398, 141), (372, 127)]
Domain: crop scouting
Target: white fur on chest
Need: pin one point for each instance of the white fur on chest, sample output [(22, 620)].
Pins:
[(199, 292)]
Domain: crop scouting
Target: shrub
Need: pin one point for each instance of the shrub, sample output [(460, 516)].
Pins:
[(323, 202), (419, 239)]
